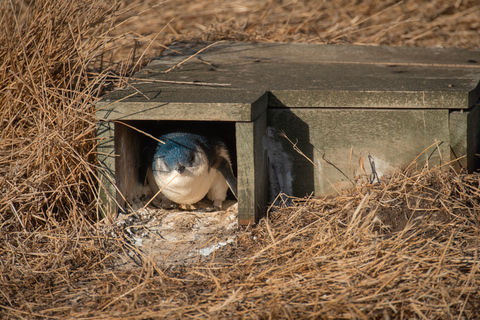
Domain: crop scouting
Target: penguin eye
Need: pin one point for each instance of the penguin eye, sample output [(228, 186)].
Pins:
[(191, 158)]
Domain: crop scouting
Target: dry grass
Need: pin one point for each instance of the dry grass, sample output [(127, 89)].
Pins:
[(48, 128), (404, 249), (391, 23), (320, 258)]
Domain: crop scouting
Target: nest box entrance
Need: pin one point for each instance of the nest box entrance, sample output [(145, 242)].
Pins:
[(127, 125)]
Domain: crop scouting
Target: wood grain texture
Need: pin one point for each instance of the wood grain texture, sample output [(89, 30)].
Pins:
[(252, 173), (106, 168), (393, 138), (176, 111)]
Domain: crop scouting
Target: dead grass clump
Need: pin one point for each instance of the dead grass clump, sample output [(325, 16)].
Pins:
[(339, 258), (40, 264), (47, 145), (47, 127)]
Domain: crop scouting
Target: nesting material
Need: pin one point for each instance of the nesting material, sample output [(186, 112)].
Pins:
[(177, 237)]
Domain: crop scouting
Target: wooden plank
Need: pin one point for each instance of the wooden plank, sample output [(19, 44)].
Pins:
[(465, 138), (458, 125), (244, 132), (106, 169), (343, 99), (251, 164), (337, 140), (261, 173), (473, 139), (175, 111)]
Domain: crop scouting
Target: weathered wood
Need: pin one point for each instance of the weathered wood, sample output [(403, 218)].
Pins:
[(343, 99), (473, 139), (106, 168), (458, 138), (261, 173), (252, 173), (178, 111), (465, 138), (393, 138)]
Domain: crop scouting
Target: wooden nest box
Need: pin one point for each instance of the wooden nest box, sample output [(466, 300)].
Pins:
[(339, 106)]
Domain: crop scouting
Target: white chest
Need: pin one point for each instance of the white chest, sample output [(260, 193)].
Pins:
[(187, 188)]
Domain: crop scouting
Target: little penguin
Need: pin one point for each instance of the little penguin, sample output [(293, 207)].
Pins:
[(189, 167)]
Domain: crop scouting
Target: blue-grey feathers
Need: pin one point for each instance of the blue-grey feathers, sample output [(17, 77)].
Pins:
[(185, 151)]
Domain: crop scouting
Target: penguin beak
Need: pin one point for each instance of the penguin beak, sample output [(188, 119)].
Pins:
[(180, 168)]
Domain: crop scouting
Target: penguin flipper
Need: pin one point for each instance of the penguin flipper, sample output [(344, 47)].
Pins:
[(225, 168)]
